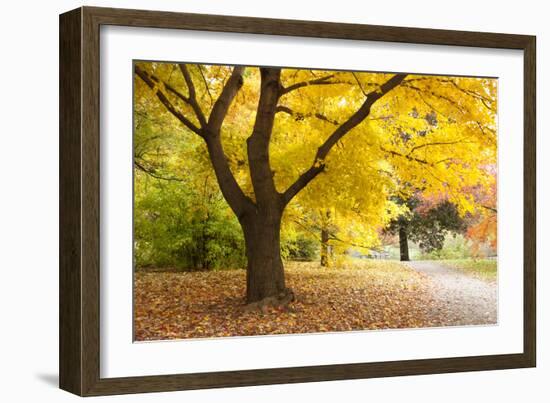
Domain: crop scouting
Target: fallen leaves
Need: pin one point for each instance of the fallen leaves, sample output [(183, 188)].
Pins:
[(361, 296)]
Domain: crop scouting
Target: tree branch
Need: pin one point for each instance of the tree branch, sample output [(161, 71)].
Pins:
[(318, 163), (229, 187), (407, 156), (317, 81), (494, 210), (153, 84), (192, 94), (153, 173), (206, 85), (258, 143), (359, 84), (486, 101), (435, 95), (300, 116), (222, 104), (332, 235), (437, 143)]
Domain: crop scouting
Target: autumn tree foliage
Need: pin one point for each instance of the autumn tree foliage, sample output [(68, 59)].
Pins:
[(425, 223), (281, 141), (482, 229)]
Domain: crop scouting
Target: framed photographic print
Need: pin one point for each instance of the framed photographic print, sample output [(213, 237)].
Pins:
[(249, 201)]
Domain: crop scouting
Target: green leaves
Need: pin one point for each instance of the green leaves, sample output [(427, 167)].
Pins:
[(180, 225), (427, 222)]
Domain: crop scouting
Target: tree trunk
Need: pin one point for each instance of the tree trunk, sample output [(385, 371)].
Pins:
[(403, 244), (324, 248), (265, 277), (325, 228)]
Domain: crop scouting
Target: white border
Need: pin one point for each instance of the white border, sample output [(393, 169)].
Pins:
[(120, 357)]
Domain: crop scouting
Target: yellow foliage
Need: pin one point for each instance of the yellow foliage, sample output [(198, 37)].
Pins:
[(435, 134)]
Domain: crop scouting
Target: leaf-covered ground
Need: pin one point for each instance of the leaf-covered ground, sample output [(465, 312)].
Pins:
[(366, 295)]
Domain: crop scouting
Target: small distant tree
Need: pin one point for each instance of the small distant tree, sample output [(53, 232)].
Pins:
[(425, 225)]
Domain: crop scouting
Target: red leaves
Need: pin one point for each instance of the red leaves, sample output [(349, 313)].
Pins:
[(369, 295)]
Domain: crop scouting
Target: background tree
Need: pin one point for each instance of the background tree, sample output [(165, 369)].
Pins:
[(482, 229), (425, 225), (337, 233)]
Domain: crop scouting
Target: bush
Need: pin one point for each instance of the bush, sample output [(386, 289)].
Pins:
[(454, 247), (176, 226), (300, 248)]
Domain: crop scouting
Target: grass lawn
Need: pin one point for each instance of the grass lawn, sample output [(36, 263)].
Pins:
[(485, 269)]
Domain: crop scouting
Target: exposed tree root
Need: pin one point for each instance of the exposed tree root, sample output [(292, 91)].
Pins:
[(280, 301)]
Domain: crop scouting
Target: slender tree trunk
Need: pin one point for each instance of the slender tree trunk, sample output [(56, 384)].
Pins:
[(325, 247), (325, 261), (265, 272), (403, 244)]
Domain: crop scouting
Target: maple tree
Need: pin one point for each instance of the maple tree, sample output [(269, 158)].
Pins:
[(483, 226), (283, 141)]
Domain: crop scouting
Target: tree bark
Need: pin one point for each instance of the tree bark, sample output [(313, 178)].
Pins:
[(265, 277), (403, 244), (325, 235), (324, 248), (265, 280)]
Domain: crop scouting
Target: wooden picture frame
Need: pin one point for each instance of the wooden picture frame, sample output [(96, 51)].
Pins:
[(79, 346)]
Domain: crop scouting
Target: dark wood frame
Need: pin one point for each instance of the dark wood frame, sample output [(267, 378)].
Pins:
[(79, 201)]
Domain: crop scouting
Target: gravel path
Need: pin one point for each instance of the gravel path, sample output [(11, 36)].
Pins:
[(458, 299)]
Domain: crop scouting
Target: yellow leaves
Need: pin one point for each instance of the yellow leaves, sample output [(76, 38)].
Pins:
[(159, 87), (433, 133)]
